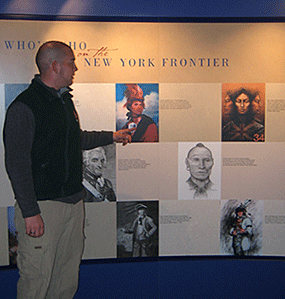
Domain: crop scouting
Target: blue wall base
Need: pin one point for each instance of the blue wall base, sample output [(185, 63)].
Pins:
[(204, 278)]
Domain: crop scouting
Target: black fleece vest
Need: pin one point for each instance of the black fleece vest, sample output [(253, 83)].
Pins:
[(56, 150)]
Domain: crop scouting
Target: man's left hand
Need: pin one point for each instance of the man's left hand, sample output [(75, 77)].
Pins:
[(123, 136)]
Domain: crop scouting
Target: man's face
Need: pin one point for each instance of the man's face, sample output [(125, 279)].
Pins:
[(200, 163), (67, 69), (256, 104), (141, 213), (240, 213), (227, 105), (242, 103), (97, 162), (137, 108)]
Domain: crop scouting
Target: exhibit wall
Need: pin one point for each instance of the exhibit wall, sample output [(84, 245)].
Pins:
[(208, 168)]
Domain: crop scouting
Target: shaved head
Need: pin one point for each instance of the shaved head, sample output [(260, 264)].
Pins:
[(197, 146), (49, 52)]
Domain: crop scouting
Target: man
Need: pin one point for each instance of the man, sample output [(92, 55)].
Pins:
[(227, 109), (43, 155), (241, 230), (146, 127), (199, 163), (142, 228), (96, 186)]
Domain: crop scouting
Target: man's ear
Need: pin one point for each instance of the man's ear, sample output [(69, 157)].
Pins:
[(55, 66), (187, 164)]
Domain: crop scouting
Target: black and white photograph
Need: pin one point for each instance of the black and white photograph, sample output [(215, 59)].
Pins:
[(241, 227), (137, 229), (99, 174), (199, 170)]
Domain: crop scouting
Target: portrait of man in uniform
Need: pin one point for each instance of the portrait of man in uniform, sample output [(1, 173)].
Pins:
[(97, 186), (137, 232)]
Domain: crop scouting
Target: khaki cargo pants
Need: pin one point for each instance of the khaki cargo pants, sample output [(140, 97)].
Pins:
[(49, 265)]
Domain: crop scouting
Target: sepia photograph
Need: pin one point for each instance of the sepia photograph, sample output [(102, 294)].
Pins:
[(243, 112)]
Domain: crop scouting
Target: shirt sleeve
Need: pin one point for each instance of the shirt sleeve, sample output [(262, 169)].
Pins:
[(18, 136), (92, 139)]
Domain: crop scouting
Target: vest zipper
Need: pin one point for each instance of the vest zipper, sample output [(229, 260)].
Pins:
[(66, 147)]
